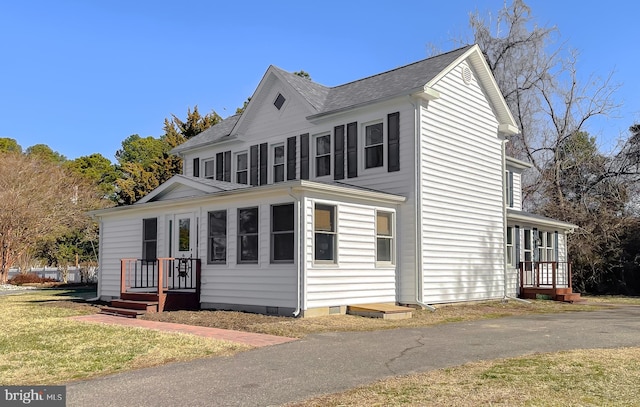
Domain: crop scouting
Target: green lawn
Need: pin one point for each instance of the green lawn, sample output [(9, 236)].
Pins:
[(40, 345)]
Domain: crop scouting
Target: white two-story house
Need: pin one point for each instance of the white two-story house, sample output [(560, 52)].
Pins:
[(390, 189)]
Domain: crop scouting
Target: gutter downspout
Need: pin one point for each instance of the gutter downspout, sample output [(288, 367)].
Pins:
[(418, 212), (298, 252), (504, 226)]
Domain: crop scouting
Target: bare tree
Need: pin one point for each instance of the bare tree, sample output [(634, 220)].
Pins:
[(38, 198), (540, 83)]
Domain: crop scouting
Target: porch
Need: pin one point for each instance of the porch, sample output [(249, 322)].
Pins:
[(546, 280), (163, 284)]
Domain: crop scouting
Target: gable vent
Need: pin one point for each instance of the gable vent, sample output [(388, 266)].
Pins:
[(466, 75), (279, 101)]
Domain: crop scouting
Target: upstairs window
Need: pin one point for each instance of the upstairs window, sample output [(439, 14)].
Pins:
[(242, 169), (209, 169), (374, 146), (323, 155), (509, 189), (324, 233), (278, 163)]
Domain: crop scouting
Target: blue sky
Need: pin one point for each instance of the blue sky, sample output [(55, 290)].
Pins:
[(82, 75)]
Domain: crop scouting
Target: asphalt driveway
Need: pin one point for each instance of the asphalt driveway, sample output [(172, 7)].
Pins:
[(332, 362)]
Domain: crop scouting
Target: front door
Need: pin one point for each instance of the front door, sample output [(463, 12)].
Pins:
[(184, 236), (181, 272)]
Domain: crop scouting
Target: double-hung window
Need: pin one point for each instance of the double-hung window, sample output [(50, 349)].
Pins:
[(149, 239), (325, 233), (217, 237), (278, 163), (242, 168), (209, 169), (510, 251), (373, 146), (248, 235), (384, 237), (282, 241), (547, 246), (323, 155)]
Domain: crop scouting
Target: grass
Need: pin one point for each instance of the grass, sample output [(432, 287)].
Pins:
[(300, 327), (594, 377), (40, 345)]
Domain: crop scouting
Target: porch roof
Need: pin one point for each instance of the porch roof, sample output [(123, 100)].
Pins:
[(333, 190), (515, 216)]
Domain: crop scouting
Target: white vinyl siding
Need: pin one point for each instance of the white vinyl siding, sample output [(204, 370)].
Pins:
[(462, 195), (354, 278)]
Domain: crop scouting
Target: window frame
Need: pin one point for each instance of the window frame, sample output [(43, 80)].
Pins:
[(381, 145), (283, 232), (323, 156), (237, 170), (332, 233), (391, 238), (241, 234), (145, 240), (205, 163), (212, 236), (278, 165), (510, 245)]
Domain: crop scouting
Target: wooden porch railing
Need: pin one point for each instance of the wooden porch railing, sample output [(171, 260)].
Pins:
[(551, 274), (160, 276)]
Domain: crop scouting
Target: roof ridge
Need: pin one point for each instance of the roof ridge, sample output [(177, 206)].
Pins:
[(401, 67)]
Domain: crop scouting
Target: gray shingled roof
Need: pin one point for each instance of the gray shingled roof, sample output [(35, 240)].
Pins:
[(389, 84), (325, 100), (210, 135)]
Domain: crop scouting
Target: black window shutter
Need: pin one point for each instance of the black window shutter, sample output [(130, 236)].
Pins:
[(338, 150), (352, 150), (516, 237), (304, 156), (219, 167), (393, 139), (196, 167), (253, 152), (263, 163), (291, 158), (227, 165), (510, 186)]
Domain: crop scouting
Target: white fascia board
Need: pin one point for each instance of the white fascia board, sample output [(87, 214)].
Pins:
[(527, 218), (427, 93), (519, 164), (281, 187)]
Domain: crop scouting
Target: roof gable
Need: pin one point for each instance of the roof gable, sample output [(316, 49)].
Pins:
[(183, 186), (320, 101)]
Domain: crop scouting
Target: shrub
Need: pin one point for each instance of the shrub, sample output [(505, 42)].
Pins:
[(29, 278)]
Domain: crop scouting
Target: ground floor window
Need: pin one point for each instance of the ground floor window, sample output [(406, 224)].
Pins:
[(324, 233), (217, 237), (510, 251), (282, 233), (150, 239), (384, 237), (248, 235), (546, 246)]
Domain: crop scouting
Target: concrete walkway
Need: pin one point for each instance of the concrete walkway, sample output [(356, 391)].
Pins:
[(332, 362), (247, 338)]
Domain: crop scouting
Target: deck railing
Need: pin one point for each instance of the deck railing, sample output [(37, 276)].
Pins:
[(160, 275), (551, 274)]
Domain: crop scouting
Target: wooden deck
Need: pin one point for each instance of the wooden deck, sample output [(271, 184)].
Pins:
[(550, 293), (380, 310)]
